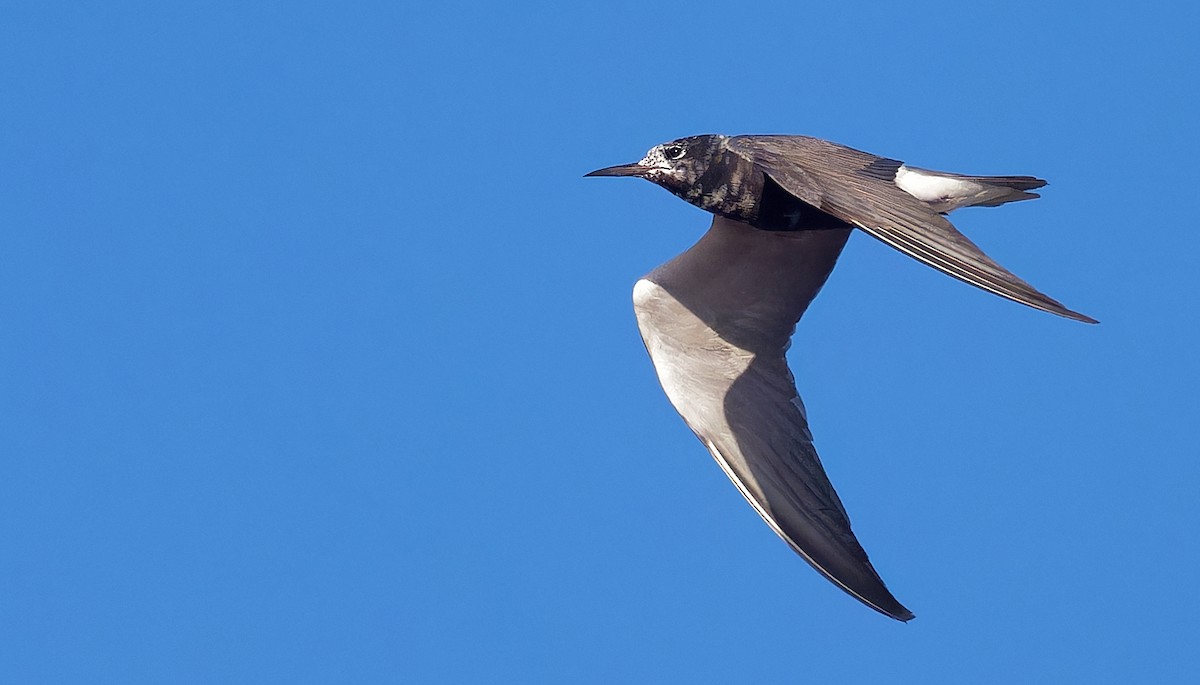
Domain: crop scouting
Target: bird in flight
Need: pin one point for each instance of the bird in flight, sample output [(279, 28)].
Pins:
[(718, 319)]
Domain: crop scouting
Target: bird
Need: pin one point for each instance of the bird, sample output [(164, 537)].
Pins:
[(718, 319)]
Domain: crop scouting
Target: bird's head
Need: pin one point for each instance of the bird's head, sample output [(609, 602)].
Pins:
[(676, 166)]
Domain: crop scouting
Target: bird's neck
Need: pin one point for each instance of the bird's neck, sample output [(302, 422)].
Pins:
[(730, 186), (733, 187)]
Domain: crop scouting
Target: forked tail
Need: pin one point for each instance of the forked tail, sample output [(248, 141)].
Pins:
[(946, 192)]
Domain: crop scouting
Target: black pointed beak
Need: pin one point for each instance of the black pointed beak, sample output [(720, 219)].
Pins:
[(620, 170)]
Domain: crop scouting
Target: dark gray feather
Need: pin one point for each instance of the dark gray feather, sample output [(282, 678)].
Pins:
[(846, 183)]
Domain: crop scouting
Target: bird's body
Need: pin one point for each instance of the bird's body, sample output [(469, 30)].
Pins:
[(718, 319)]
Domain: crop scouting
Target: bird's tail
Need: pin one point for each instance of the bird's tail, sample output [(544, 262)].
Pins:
[(975, 191), (1001, 189)]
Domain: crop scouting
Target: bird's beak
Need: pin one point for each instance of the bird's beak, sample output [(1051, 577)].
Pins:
[(621, 170)]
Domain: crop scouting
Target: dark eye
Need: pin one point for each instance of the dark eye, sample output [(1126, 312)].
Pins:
[(674, 151)]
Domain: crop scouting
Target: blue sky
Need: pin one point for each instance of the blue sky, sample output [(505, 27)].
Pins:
[(317, 360)]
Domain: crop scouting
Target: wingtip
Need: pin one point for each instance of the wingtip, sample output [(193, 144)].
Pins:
[(1076, 316), (894, 610)]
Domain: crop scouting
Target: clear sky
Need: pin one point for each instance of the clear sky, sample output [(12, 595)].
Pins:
[(318, 364)]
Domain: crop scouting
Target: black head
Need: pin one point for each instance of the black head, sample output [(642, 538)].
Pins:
[(676, 166)]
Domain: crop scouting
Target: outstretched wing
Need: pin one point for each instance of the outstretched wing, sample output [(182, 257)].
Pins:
[(856, 187), (717, 321)]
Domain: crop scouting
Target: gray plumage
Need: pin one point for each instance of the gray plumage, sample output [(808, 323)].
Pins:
[(718, 319)]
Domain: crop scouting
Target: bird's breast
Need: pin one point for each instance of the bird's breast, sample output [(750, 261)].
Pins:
[(731, 186), (734, 187)]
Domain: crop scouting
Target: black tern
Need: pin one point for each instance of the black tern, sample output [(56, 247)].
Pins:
[(718, 319)]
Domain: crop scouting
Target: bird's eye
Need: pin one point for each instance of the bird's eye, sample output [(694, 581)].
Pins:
[(674, 151)]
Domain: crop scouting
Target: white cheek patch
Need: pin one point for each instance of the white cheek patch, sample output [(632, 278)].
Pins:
[(655, 158), (929, 187)]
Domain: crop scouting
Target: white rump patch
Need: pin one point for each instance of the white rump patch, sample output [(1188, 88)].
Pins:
[(932, 188)]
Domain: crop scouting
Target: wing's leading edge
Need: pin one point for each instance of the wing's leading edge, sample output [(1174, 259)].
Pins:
[(717, 321)]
